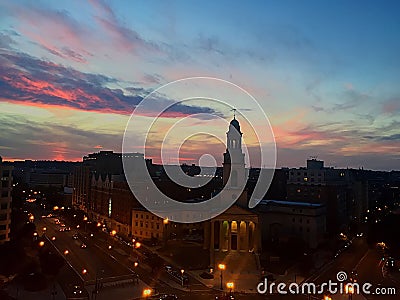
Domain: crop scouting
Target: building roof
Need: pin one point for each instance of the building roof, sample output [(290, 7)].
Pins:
[(235, 123), (291, 203)]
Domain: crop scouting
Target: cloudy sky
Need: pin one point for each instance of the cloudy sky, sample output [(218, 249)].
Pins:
[(325, 73)]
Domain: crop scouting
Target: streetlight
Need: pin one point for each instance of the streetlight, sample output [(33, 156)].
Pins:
[(350, 291), (41, 243), (137, 245), (53, 238), (84, 271), (135, 264), (182, 271), (66, 252), (222, 267), (327, 298), (165, 231), (146, 293), (85, 220), (230, 285)]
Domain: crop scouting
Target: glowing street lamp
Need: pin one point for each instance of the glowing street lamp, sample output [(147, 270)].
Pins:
[(135, 264), (113, 233), (41, 243), (182, 271), (85, 218), (327, 298), (350, 291), (84, 271), (137, 245), (221, 267), (66, 252), (53, 238), (146, 293), (230, 285), (98, 224)]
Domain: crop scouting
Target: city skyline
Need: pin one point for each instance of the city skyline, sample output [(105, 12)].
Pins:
[(326, 75)]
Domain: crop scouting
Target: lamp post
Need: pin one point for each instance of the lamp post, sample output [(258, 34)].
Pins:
[(350, 291), (230, 285), (113, 233), (182, 271), (221, 267), (165, 222), (85, 218)]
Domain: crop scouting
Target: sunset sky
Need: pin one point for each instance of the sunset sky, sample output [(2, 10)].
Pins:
[(326, 73)]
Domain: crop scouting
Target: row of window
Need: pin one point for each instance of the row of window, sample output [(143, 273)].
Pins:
[(300, 229), (147, 216), (6, 173), (300, 220), (5, 194), (146, 234), (305, 174), (146, 225)]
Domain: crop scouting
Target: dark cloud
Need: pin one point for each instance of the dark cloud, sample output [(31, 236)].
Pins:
[(392, 137), (28, 139), (27, 79)]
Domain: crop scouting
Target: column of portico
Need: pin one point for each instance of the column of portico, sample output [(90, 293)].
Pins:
[(212, 250), (229, 236), (207, 235), (238, 235), (221, 235), (255, 237), (212, 236), (246, 239)]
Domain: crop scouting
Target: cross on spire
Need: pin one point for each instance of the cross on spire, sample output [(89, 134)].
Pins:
[(234, 112)]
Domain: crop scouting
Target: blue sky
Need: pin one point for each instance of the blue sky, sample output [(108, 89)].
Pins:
[(326, 73)]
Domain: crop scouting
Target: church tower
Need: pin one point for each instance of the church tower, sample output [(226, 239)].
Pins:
[(234, 171)]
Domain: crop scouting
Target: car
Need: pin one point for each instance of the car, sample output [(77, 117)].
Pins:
[(62, 225), (62, 229), (67, 228), (353, 275), (225, 297), (77, 290), (75, 236), (167, 297), (83, 246)]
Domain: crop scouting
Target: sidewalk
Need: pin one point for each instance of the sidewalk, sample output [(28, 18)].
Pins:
[(129, 291)]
